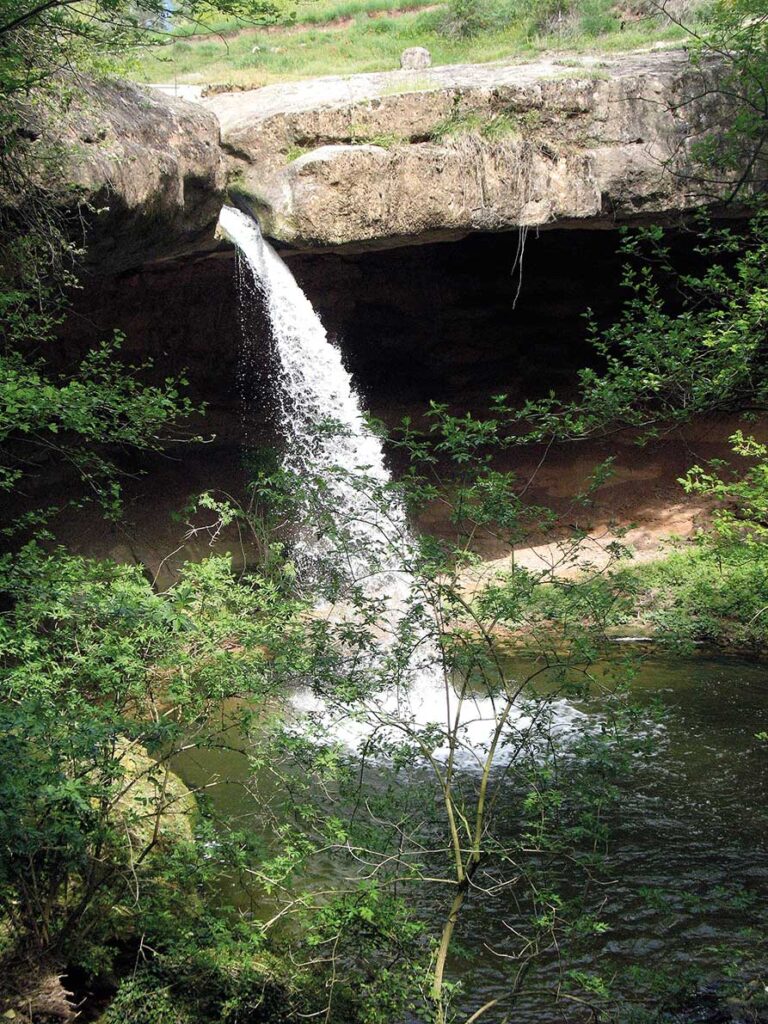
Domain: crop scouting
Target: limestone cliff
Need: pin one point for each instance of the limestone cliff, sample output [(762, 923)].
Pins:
[(403, 156), (150, 165), (399, 157)]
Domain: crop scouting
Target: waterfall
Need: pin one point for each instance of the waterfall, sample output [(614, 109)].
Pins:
[(326, 432), (327, 436)]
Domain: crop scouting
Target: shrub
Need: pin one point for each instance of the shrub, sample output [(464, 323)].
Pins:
[(597, 17), (466, 18), (88, 653), (706, 595), (142, 1000), (225, 983)]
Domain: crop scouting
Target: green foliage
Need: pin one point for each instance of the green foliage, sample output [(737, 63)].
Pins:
[(97, 668), (141, 1000), (106, 682), (733, 155), (397, 806), (466, 18), (83, 419), (232, 981), (70, 418), (542, 18), (44, 46), (715, 592), (304, 13), (741, 517), (294, 152), (374, 936), (459, 123), (512, 28), (665, 360), (469, 122), (38, 40)]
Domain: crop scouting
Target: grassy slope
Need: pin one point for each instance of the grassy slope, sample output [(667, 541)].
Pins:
[(372, 41)]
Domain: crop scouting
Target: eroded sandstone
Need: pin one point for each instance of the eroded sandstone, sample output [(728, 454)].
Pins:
[(149, 167)]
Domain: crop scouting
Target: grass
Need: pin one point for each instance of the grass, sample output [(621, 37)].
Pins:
[(457, 124), (315, 12), (295, 152), (252, 57), (298, 14), (361, 135), (704, 594), (697, 594), (591, 74), (493, 128)]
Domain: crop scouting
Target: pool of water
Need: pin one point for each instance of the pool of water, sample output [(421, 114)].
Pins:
[(688, 858), (686, 870)]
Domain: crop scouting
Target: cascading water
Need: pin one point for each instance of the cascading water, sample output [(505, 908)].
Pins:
[(328, 437)]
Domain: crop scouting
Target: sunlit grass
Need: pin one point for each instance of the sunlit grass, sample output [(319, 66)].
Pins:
[(366, 44), (315, 12), (301, 13)]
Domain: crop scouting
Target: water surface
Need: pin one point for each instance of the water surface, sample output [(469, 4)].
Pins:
[(687, 861)]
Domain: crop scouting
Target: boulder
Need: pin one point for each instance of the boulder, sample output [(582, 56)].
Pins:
[(415, 58), (392, 158)]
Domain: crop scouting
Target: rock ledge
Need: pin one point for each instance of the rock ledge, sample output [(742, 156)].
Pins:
[(410, 156)]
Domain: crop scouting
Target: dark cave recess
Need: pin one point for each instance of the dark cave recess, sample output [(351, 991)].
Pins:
[(436, 322), (450, 322)]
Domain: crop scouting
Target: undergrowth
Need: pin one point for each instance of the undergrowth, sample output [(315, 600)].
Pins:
[(697, 594), (704, 595)]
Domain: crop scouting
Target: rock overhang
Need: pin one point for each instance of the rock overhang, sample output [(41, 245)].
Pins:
[(393, 158), (398, 158), (144, 171)]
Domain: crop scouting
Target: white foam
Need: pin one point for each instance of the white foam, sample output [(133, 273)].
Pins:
[(315, 388)]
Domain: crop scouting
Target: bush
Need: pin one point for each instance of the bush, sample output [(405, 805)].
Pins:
[(597, 18), (142, 1000), (466, 18), (88, 653), (227, 983), (706, 595)]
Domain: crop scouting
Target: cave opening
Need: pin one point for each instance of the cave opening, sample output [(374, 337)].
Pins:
[(457, 322), (442, 321), (450, 322)]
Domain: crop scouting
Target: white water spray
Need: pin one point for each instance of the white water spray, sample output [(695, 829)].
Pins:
[(326, 433), (327, 436)]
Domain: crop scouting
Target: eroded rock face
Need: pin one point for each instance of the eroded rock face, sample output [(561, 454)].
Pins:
[(152, 166), (408, 156)]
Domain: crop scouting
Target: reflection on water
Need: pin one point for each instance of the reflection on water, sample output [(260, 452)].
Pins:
[(688, 857)]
